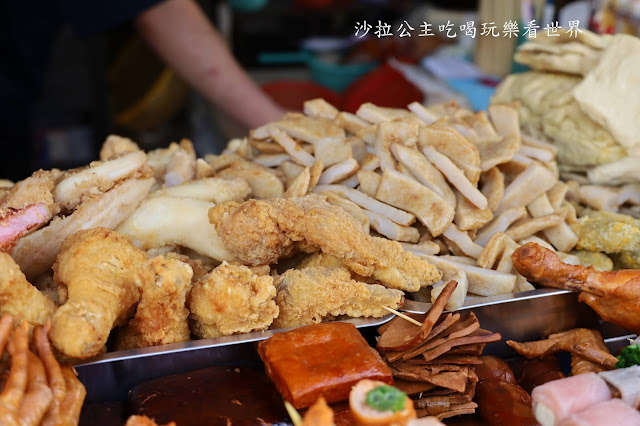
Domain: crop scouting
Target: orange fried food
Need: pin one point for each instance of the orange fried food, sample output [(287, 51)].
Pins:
[(319, 414), (232, 299), (143, 421), (103, 273), (161, 316), (25, 397), (68, 391), (615, 296), (259, 232)]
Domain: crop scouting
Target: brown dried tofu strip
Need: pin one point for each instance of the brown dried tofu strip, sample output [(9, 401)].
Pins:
[(447, 359), (595, 355), (468, 408), (455, 380), (444, 324), (474, 350), (413, 388), (384, 327), (454, 398), (456, 330), (396, 338), (447, 346)]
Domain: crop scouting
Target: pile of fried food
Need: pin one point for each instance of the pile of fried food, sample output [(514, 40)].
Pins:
[(441, 180), (576, 97), (434, 362)]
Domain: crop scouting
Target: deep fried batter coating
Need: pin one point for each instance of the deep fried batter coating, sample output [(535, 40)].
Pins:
[(232, 299), (18, 297), (259, 232), (115, 145), (312, 295), (161, 316), (614, 295), (36, 189), (104, 274), (607, 232)]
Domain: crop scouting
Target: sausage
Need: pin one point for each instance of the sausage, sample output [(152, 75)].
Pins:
[(494, 368), (503, 403), (538, 371)]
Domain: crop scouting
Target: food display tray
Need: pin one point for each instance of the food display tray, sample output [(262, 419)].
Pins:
[(524, 316)]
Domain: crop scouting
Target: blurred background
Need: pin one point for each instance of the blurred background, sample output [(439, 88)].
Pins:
[(296, 50)]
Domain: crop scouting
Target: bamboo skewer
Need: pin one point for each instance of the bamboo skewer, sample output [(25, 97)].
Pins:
[(403, 316)]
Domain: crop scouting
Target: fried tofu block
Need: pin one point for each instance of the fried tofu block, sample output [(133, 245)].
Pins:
[(320, 360)]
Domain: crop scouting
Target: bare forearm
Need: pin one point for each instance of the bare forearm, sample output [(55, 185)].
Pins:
[(180, 32)]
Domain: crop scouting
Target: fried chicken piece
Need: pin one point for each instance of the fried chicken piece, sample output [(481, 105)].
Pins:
[(259, 232), (116, 145), (104, 274), (36, 252), (161, 316), (198, 267), (564, 342), (312, 295), (181, 167), (614, 295), (18, 297), (232, 299)]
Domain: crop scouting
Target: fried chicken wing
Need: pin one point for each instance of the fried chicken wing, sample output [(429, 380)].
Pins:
[(259, 232), (104, 275), (312, 295), (18, 297), (232, 299), (161, 316), (614, 295)]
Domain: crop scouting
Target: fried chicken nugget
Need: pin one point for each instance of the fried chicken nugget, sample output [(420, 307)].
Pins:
[(161, 316), (259, 232), (232, 299), (18, 297), (312, 295), (104, 274)]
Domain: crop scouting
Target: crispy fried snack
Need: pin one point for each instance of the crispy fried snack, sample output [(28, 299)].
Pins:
[(615, 295), (161, 316), (607, 232), (312, 295), (104, 275), (232, 299), (18, 297), (259, 232)]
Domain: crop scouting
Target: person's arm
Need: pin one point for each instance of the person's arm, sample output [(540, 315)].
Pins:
[(182, 35)]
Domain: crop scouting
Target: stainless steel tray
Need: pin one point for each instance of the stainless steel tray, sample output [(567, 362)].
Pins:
[(524, 316)]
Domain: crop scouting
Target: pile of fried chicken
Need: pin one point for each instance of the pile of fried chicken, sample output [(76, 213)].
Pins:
[(141, 249)]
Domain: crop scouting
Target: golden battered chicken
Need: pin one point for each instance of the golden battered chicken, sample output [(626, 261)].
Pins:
[(104, 275), (18, 297), (116, 145), (232, 299), (614, 295), (259, 232), (315, 294), (161, 316)]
